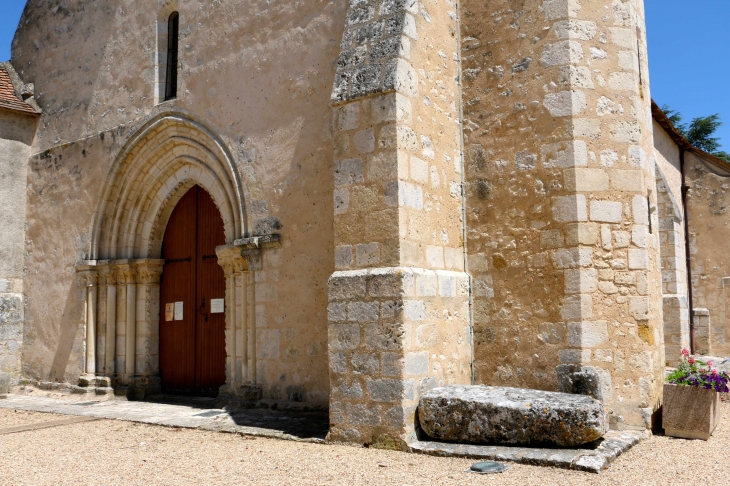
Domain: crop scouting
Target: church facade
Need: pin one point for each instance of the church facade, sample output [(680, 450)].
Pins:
[(339, 205)]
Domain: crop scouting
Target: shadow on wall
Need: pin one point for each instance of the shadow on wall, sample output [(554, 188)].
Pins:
[(70, 325)]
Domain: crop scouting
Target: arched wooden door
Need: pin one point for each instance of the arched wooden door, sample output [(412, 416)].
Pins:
[(192, 317)]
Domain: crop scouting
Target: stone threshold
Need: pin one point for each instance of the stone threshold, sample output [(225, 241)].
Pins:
[(287, 425), (590, 459)]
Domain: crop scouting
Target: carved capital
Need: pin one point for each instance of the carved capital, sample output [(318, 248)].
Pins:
[(126, 274), (149, 271), (229, 257), (86, 275), (107, 274), (88, 279)]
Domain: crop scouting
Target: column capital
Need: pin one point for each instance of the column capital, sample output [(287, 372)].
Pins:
[(149, 270), (230, 258), (107, 274), (126, 272), (87, 274)]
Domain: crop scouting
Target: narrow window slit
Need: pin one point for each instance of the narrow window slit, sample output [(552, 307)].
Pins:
[(172, 42)]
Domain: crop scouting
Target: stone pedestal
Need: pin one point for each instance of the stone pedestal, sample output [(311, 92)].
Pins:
[(690, 412)]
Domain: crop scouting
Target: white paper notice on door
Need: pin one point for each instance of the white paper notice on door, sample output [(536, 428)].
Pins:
[(217, 306), (178, 311)]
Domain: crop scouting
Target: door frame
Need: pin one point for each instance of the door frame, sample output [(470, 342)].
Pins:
[(120, 280)]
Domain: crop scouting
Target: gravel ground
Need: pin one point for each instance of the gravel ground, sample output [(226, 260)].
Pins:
[(14, 418), (116, 452)]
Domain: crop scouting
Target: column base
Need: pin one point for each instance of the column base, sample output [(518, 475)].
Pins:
[(98, 385)]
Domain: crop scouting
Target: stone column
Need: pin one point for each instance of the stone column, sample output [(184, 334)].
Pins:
[(108, 275), (254, 262), (124, 275), (399, 299), (88, 278), (147, 364), (557, 130), (128, 274), (244, 310), (229, 257)]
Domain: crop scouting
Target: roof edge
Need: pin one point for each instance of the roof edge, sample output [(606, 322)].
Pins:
[(663, 120), (19, 87)]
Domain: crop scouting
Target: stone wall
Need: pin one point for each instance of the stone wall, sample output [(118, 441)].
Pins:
[(557, 130), (399, 300), (16, 136), (264, 93), (707, 200)]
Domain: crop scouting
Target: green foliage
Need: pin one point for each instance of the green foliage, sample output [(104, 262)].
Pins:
[(699, 132)]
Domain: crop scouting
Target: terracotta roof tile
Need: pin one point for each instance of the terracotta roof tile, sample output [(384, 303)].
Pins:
[(8, 99)]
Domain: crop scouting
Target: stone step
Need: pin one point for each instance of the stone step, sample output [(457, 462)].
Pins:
[(503, 415)]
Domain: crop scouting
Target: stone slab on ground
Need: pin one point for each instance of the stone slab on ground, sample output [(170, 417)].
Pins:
[(502, 415), (596, 458), (287, 425)]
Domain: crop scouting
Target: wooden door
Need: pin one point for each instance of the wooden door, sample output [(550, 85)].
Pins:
[(192, 337)]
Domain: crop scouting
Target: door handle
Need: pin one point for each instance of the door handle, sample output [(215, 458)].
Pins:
[(202, 309)]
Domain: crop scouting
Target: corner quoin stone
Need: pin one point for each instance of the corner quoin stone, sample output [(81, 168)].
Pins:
[(504, 415)]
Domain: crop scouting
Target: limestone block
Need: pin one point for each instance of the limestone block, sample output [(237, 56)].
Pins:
[(608, 158), (343, 256), (577, 307), (363, 311), (606, 211), (572, 257), (586, 127), (587, 333), (575, 29), (349, 116), (565, 103), (586, 180), (627, 180), (570, 208), (563, 52), (390, 390), (622, 239), (551, 332), (582, 280), (690, 412), (565, 154), (638, 259), (622, 37), (576, 76), (585, 380), (481, 414), (348, 172)]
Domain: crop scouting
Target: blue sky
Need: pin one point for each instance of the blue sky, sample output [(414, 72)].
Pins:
[(689, 54)]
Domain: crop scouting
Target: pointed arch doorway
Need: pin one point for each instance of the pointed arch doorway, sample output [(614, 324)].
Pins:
[(192, 290)]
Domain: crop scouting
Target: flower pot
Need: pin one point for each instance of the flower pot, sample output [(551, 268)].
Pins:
[(690, 412)]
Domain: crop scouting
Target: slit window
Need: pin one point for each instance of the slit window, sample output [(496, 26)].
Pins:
[(173, 24)]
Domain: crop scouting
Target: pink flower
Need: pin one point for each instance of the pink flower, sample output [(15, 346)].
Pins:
[(714, 371), (691, 361), (709, 363), (685, 352)]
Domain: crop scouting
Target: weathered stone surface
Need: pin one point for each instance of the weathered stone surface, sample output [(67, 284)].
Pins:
[(595, 458), (690, 412), (503, 415)]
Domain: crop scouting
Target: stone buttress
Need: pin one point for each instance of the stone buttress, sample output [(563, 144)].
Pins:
[(399, 298), (561, 201)]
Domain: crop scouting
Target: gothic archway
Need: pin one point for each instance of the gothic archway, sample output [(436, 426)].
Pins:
[(161, 161)]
